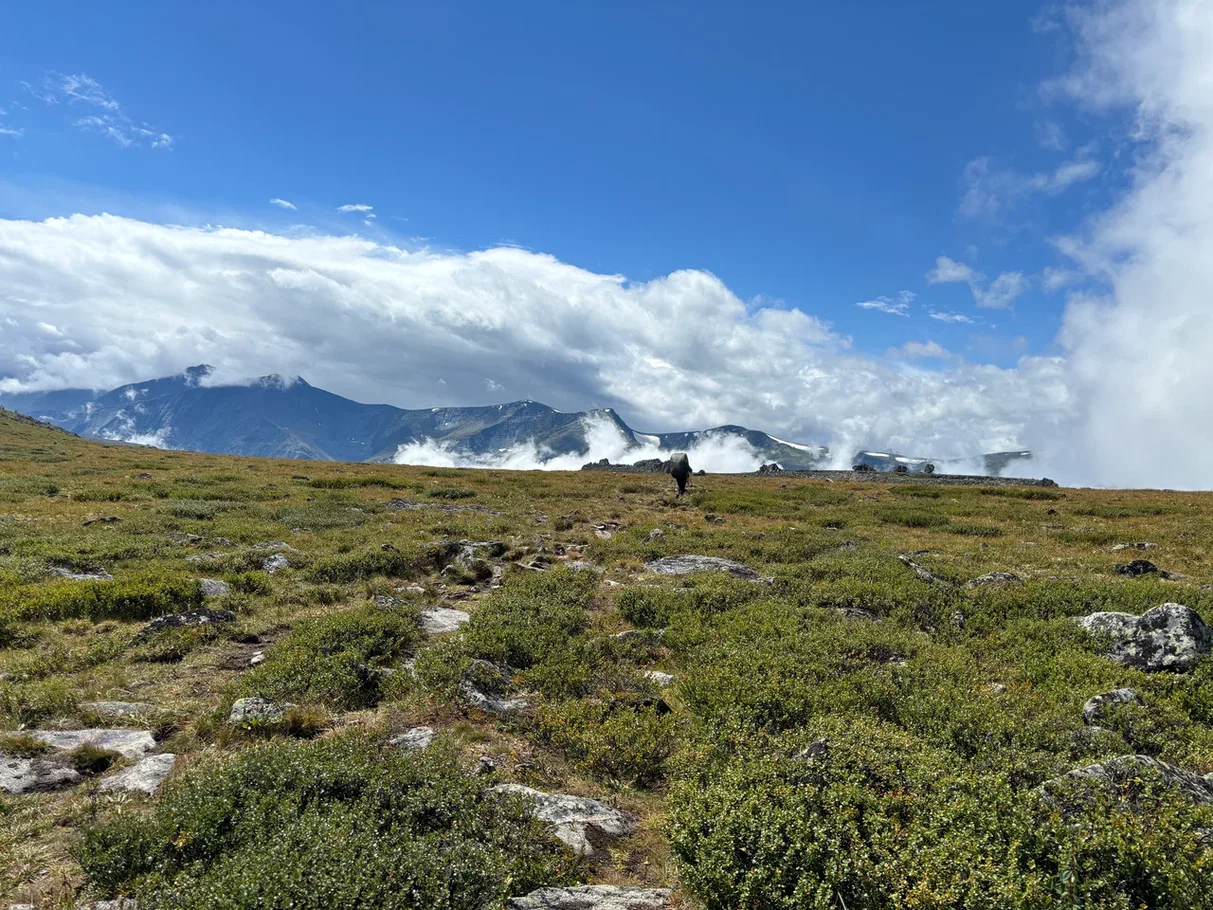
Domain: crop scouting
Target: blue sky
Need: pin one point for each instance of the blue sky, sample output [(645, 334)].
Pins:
[(814, 156)]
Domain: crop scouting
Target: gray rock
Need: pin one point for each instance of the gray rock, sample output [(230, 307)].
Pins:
[(997, 688), (206, 557), (440, 620), (994, 578), (257, 709), (20, 907), (685, 565), (919, 570), (258, 657), (118, 708), (222, 542), (857, 613), (118, 903), (594, 897), (1142, 545), (145, 776), (416, 738), (573, 818), (276, 564), (127, 743), (649, 637), (655, 534), (382, 600), (213, 587), (1098, 704), (197, 617), (1168, 637), (1113, 776), (581, 565), (70, 573), (664, 680), (490, 703), (27, 775)]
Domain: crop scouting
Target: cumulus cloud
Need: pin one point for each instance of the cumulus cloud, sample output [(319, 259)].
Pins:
[(283, 203), (925, 350), (999, 294), (894, 306), (378, 323)]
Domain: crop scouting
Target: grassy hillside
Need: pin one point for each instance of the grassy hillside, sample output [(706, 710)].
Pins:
[(838, 732)]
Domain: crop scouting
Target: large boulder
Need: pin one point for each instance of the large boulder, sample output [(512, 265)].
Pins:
[(440, 620), (28, 775), (573, 818), (254, 709), (414, 739), (213, 587), (593, 897), (1123, 777), (685, 565), (1168, 637)]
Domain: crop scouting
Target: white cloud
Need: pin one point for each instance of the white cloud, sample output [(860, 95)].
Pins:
[(9, 131), (493, 386), (1051, 136), (894, 306), (952, 317), (282, 203), (110, 120), (991, 192), (1001, 292), (947, 270), (925, 350), (345, 312), (1053, 279), (354, 207)]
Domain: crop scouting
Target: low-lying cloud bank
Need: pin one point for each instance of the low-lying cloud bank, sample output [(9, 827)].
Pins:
[(715, 454), (101, 300)]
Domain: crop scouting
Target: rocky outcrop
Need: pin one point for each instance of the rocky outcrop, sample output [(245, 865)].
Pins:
[(664, 680), (994, 578), (145, 776), (1124, 775), (574, 819), (440, 620), (416, 738), (190, 618), (276, 564), (493, 704), (72, 573), (30, 775), (685, 565), (254, 709), (127, 743), (1168, 637), (1100, 704), (213, 587), (594, 897)]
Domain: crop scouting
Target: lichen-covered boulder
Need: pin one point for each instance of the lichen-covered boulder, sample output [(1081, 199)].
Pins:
[(593, 897), (685, 565), (573, 818), (1168, 637), (145, 776), (1098, 705)]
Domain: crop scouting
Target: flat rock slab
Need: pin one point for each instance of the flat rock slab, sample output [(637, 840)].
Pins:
[(1168, 637), (145, 776), (685, 565), (440, 620), (994, 578), (213, 587), (594, 897), (83, 575), (29, 775), (118, 708), (572, 818), (127, 743), (416, 738), (493, 704)]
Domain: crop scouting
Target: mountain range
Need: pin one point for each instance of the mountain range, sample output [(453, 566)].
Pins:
[(278, 418)]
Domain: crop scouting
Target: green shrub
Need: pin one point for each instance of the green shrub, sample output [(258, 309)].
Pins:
[(450, 493), (133, 598), (386, 560), (1030, 493), (89, 758), (610, 738), (101, 494), (346, 483), (912, 518), (337, 823), (336, 659)]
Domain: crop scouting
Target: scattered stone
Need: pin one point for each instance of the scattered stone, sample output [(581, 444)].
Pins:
[(89, 574), (664, 680), (649, 637), (258, 657), (655, 534), (817, 749), (222, 542), (213, 587), (485, 766), (712, 518), (104, 520), (118, 903), (257, 709), (206, 557), (1167, 637), (605, 531), (197, 617), (382, 600), (684, 565), (772, 468), (412, 589), (142, 476), (276, 564), (1098, 704), (857, 613), (919, 570), (183, 539), (1137, 567), (26, 775), (127, 743), (581, 565), (145, 776), (958, 621), (997, 688), (491, 703), (118, 708), (994, 578), (594, 897), (573, 818), (440, 620), (416, 738), (1141, 545), (1121, 776), (411, 506)]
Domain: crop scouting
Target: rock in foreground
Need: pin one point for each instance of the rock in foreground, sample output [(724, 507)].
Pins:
[(572, 818), (440, 620), (1169, 637), (685, 565), (27, 775), (1096, 706), (1122, 777), (145, 776), (593, 897), (127, 743)]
